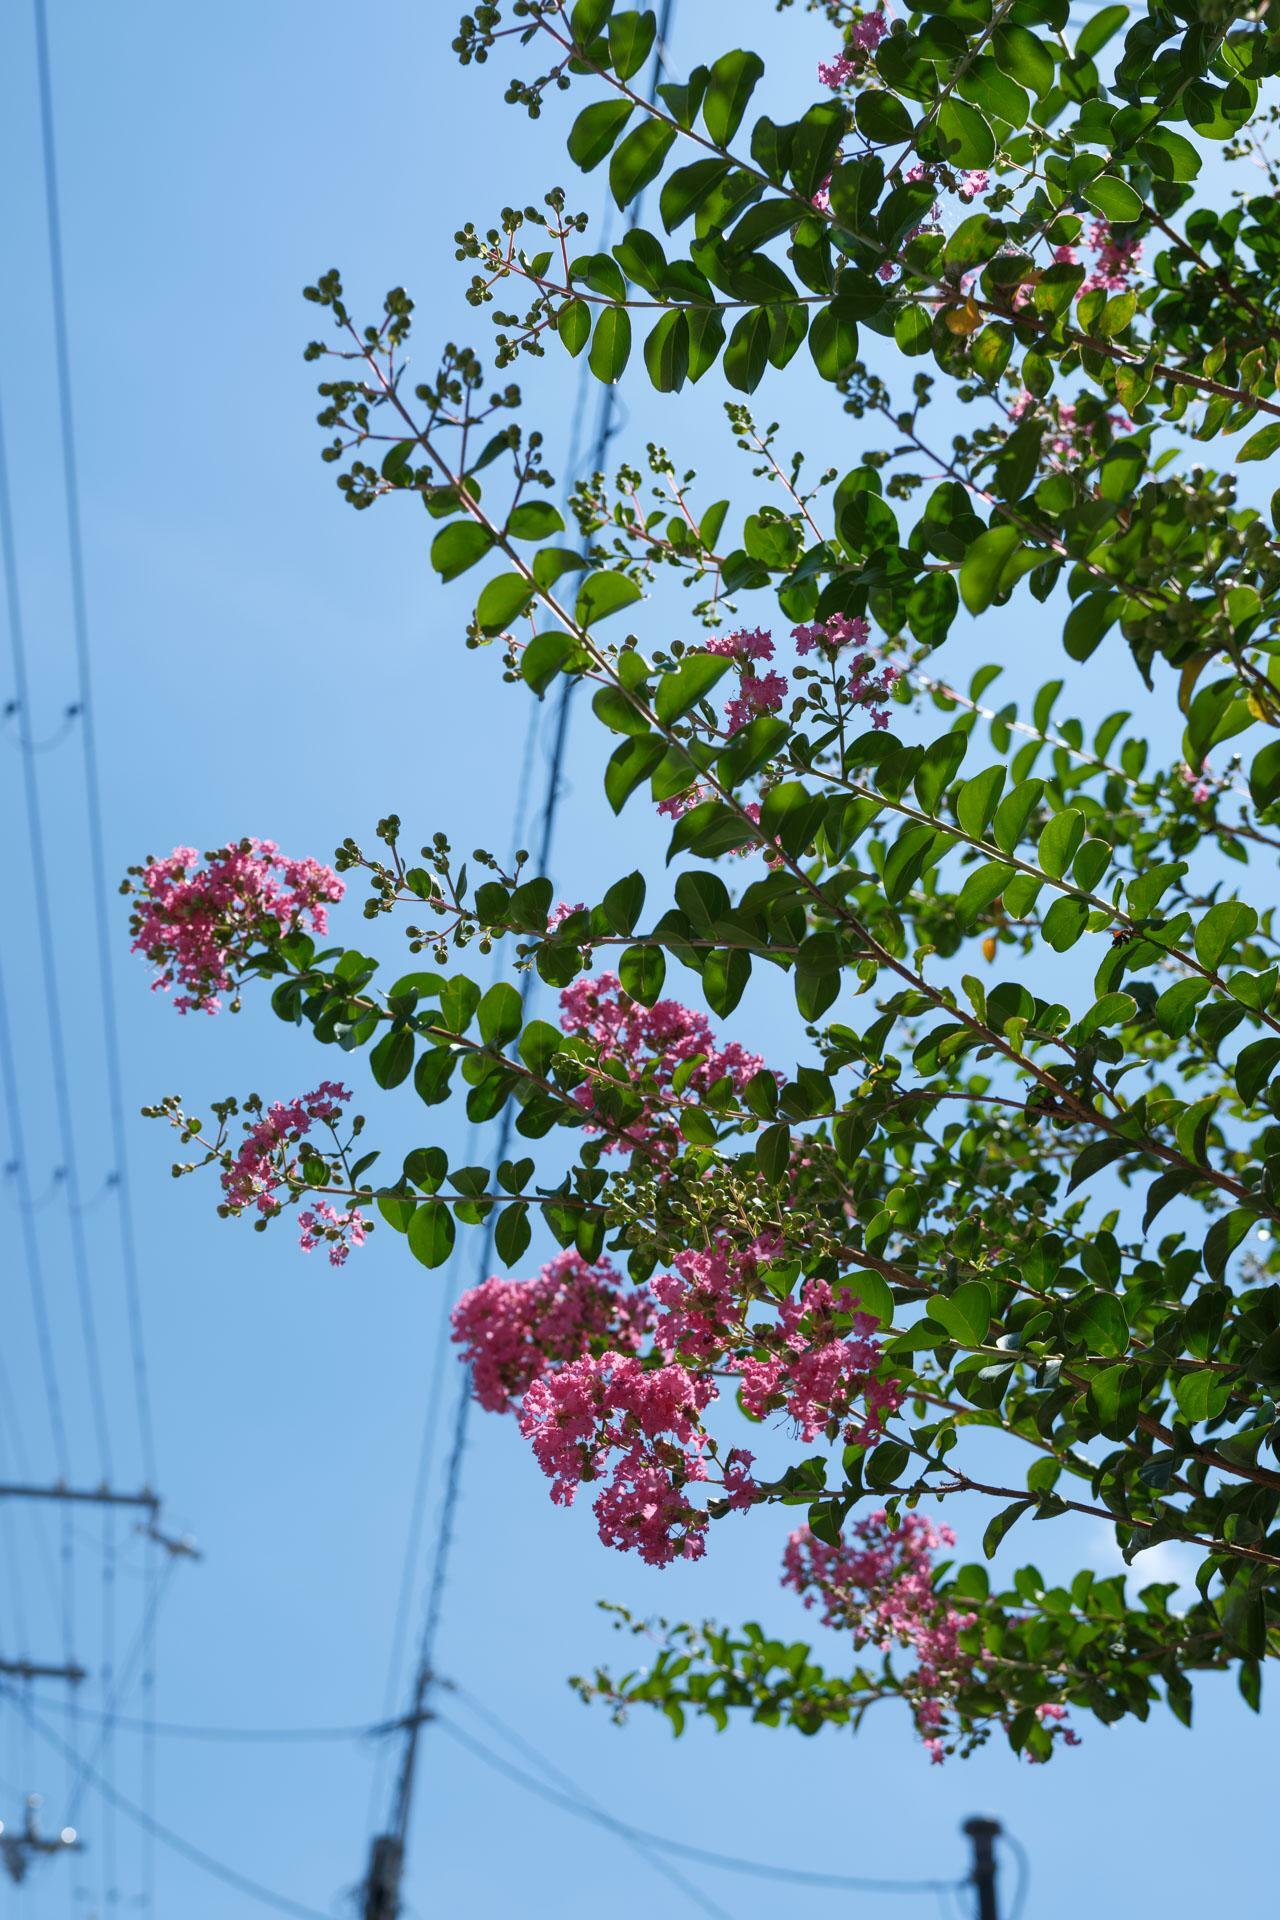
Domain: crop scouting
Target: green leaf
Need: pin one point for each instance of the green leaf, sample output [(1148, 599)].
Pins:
[(833, 341), (1099, 1325), (624, 903), (594, 131), (500, 1014), (642, 971), (684, 191), (993, 565), (631, 38), (1221, 927), (978, 799), (1059, 842), (602, 594), (1115, 1396), (1262, 444), (1113, 197), (502, 601), (999, 1525), (458, 546), (535, 520), (966, 135), (965, 1314), (639, 158), (543, 658), (1064, 922), (1024, 57), (666, 353), (610, 345), (747, 353), (392, 1058), (512, 1233), (432, 1233), (692, 680), (733, 81), (773, 1152), (631, 763)]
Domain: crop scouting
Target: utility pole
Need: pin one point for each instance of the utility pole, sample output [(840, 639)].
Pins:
[(983, 1834)]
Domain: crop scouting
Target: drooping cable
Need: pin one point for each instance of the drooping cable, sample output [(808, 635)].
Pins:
[(705, 1856), (230, 1876), (643, 1849)]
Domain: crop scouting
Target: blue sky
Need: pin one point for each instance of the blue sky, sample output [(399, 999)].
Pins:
[(267, 662)]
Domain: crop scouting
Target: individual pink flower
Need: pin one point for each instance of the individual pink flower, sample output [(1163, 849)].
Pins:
[(197, 923), (677, 804), (563, 912), (764, 693), (837, 72), (974, 183), (1117, 259)]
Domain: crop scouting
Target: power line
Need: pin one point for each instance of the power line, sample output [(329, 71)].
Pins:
[(180, 1730), (53, 1005), (97, 859), (652, 1856), (197, 1855), (705, 1856)]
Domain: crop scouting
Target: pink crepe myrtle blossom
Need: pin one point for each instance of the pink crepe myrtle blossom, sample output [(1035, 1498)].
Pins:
[(1066, 256), (837, 72), (1200, 782), (973, 184), (512, 1331), (264, 1165), (821, 200), (639, 1432), (748, 643), (196, 922), (826, 1375), (763, 693), (323, 1225), (1117, 258), (828, 635), (877, 1584), (651, 1042), (558, 915), (677, 804)]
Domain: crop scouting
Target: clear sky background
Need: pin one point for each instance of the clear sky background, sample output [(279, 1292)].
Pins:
[(267, 662)]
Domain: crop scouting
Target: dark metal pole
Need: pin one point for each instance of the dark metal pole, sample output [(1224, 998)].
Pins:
[(983, 1834)]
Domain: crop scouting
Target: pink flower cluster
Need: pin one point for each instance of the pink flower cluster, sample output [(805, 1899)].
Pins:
[(195, 923), (973, 184), (879, 1586), (323, 1225), (748, 643), (512, 1331), (763, 693), (707, 1297), (864, 36), (650, 1042), (1117, 259), (263, 1165), (864, 686), (827, 1379), (639, 1429)]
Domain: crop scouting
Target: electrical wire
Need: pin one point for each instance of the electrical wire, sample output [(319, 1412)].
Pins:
[(178, 1730), (88, 737), (705, 1856), (230, 1876), (652, 1856)]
